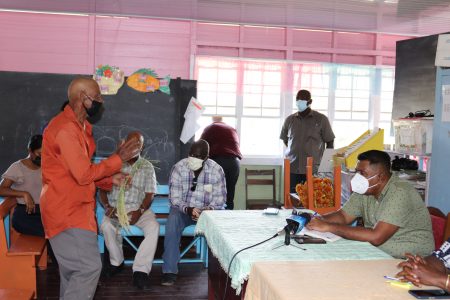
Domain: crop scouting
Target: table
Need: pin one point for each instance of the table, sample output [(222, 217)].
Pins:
[(324, 280), (229, 231)]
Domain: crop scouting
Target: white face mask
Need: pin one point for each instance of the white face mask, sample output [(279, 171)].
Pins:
[(360, 184), (194, 163)]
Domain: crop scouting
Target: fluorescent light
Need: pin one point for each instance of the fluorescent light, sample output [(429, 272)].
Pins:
[(42, 12), (318, 30)]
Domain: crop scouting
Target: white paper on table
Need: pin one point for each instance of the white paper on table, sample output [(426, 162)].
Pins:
[(191, 116), (327, 236), (443, 51), (446, 103)]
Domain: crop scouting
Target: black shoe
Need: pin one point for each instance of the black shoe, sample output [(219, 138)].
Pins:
[(168, 279), (140, 280), (111, 270)]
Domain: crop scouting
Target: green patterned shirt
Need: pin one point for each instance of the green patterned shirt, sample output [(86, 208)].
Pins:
[(399, 204)]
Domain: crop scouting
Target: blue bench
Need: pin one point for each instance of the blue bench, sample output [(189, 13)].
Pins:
[(160, 206)]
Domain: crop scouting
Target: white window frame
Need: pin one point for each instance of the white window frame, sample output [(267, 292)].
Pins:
[(287, 94)]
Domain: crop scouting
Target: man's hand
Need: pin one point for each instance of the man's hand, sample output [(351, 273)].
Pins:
[(119, 178), (319, 225), (111, 212), (196, 213), (418, 272), (129, 149), (30, 208), (193, 212), (134, 216)]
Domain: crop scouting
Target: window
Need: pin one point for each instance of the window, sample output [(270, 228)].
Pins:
[(351, 105), (261, 106), (217, 82), (217, 90), (316, 79), (251, 95)]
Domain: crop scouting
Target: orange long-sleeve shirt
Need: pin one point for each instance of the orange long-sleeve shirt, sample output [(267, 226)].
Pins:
[(69, 178)]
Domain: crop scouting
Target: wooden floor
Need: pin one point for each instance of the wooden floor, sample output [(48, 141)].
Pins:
[(192, 283)]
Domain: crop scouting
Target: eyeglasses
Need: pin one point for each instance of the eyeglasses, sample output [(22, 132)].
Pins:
[(194, 184)]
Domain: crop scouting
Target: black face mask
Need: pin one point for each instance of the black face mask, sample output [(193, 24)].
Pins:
[(95, 108), (37, 161)]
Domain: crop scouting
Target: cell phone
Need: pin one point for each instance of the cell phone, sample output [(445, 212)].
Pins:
[(430, 294), (309, 240)]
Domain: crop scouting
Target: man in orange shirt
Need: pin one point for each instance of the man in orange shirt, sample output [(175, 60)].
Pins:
[(69, 181)]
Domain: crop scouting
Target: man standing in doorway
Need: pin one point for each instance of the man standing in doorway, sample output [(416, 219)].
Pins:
[(305, 133), (223, 143), (69, 179)]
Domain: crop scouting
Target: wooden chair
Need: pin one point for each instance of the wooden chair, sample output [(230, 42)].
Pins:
[(260, 178), (20, 255), (440, 224)]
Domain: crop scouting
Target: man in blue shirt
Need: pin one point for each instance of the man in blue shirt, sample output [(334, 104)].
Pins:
[(196, 183)]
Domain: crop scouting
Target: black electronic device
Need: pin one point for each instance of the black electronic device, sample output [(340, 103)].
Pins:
[(430, 294), (297, 221), (309, 240)]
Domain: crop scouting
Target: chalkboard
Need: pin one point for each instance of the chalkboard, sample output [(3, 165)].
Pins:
[(415, 76), (28, 101)]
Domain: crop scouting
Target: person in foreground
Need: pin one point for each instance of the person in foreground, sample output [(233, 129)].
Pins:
[(69, 179), (395, 217), (430, 270), (196, 183), (23, 180), (137, 199)]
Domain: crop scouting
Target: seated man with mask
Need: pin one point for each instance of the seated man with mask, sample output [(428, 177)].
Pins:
[(196, 183), (395, 217)]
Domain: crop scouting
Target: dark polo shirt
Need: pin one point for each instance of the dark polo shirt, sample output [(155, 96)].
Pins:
[(306, 136)]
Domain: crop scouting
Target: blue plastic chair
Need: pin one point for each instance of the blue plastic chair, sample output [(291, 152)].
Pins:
[(160, 206)]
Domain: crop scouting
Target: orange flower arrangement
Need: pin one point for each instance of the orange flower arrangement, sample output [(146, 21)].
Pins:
[(323, 193)]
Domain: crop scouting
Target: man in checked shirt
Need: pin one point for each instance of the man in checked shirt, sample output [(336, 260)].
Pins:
[(431, 270), (196, 184), (138, 198)]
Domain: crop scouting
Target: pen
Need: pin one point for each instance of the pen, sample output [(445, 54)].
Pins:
[(391, 278)]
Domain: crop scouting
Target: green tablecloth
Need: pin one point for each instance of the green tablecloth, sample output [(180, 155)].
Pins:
[(229, 231)]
